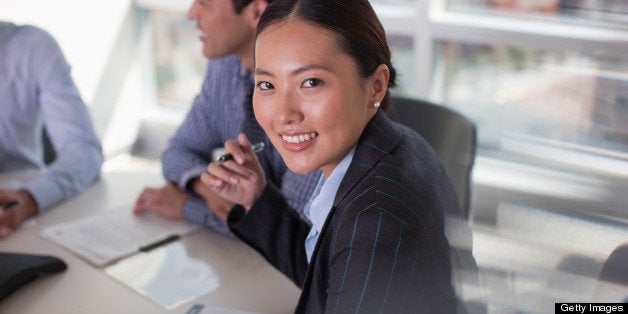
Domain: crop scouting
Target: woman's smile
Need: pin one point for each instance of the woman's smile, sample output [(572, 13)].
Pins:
[(297, 142)]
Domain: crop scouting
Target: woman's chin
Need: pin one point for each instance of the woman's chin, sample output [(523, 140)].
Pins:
[(300, 168)]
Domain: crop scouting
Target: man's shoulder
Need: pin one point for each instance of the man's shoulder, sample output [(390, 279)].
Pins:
[(15, 40), (29, 32)]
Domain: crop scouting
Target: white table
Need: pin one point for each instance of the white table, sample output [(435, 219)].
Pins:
[(83, 288)]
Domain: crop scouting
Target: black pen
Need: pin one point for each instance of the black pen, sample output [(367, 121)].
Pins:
[(8, 204), (154, 245), (257, 147)]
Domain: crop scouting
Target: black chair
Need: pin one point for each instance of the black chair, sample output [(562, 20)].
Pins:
[(616, 266), (452, 135), (575, 273), (613, 281)]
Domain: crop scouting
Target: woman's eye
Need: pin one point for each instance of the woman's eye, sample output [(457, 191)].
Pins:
[(264, 85), (313, 82)]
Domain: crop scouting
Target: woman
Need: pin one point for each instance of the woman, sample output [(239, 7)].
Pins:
[(377, 243)]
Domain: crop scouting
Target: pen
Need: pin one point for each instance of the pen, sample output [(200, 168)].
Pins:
[(159, 243), (8, 204), (257, 147)]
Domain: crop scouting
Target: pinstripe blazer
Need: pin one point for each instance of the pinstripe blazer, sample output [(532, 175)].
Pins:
[(383, 247)]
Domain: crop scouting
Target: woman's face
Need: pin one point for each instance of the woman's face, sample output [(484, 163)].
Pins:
[(309, 97)]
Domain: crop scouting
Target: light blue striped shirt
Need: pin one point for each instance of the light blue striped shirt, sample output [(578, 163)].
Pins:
[(37, 90), (322, 201)]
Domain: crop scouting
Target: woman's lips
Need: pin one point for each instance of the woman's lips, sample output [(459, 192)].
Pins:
[(298, 142)]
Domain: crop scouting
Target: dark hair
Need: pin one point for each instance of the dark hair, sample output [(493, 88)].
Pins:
[(360, 32), (238, 5)]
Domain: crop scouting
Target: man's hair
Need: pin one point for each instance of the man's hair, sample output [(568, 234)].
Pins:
[(238, 5)]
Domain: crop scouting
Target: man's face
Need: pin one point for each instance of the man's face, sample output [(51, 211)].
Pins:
[(221, 30)]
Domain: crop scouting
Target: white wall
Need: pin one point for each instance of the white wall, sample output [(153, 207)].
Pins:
[(85, 30), (90, 33)]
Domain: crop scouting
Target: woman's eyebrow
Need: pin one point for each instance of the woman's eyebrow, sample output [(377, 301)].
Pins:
[(259, 71), (309, 67), (299, 70)]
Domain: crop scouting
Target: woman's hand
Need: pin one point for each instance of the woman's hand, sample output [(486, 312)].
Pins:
[(240, 180)]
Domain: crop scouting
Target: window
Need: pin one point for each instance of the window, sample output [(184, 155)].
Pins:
[(179, 62), (600, 12), (535, 80), (555, 97), (402, 49)]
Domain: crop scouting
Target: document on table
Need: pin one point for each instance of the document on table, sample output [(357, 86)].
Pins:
[(167, 275), (202, 309), (103, 239)]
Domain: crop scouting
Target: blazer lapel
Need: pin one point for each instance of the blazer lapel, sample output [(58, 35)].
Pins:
[(379, 138)]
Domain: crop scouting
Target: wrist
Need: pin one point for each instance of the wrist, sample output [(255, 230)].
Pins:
[(256, 198), (198, 187), (28, 204)]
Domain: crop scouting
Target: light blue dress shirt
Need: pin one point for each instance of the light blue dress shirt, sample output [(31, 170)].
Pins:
[(37, 90), (322, 201)]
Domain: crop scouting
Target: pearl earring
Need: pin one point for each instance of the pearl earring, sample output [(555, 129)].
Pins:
[(376, 104)]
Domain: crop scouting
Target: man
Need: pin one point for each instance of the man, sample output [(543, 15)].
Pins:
[(221, 111), (37, 91)]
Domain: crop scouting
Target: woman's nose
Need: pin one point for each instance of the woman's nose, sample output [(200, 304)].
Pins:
[(288, 109)]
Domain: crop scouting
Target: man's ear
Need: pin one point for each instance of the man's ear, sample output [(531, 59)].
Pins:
[(378, 83), (254, 11)]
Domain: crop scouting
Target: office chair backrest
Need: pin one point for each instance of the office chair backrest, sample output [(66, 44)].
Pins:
[(616, 266), (452, 135), (613, 281)]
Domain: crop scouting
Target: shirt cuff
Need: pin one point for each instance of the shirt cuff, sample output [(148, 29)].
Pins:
[(195, 210), (190, 175), (45, 193), (235, 214)]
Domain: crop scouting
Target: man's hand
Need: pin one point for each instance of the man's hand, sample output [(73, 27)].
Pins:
[(12, 218), (167, 201)]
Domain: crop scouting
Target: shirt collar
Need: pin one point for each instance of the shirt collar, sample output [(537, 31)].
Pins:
[(244, 72), (323, 202)]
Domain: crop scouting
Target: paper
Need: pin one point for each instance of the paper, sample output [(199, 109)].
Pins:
[(105, 238), (202, 309), (167, 275)]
